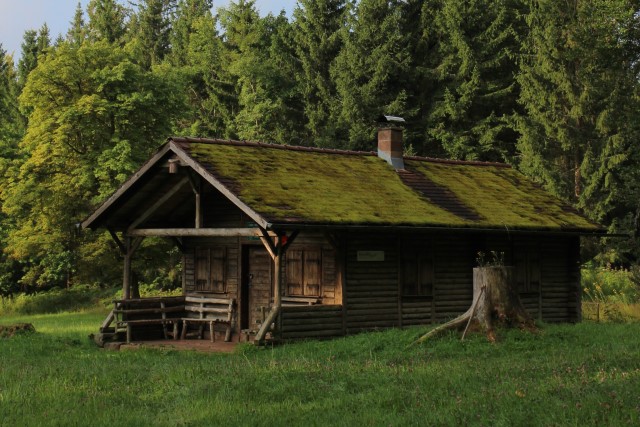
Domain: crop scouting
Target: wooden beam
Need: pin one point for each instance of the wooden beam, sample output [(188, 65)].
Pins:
[(161, 201), (90, 222), (116, 239), (197, 232), (204, 173), (266, 325), (268, 243), (178, 242), (126, 273)]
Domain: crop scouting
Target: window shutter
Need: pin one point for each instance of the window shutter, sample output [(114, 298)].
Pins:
[(294, 272), (202, 269), (409, 275), (425, 266), (312, 271), (217, 269)]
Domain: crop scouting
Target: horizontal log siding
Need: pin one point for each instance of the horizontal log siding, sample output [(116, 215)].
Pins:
[(417, 312), (453, 276), (560, 293), (311, 321), (371, 286)]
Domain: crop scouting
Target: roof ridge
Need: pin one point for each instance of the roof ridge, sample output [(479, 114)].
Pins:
[(246, 143), (328, 150), (458, 162)]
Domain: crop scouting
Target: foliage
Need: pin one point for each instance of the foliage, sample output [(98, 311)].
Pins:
[(496, 259), (611, 294), (370, 70), (551, 87), (55, 300), (95, 117), (568, 375), (608, 284)]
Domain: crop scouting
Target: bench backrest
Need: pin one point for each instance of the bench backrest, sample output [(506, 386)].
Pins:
[(149, 308), (206, 307)]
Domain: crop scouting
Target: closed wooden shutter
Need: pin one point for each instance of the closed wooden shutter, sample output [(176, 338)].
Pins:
[(294, 273), (312, 272), (217, 283), (417, 271), (202, 269), (425, 274), (409, 275)]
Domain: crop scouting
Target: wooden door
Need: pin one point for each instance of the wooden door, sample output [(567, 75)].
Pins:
[(257, 286)]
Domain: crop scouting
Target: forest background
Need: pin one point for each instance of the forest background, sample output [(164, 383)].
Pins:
[(549, 87)]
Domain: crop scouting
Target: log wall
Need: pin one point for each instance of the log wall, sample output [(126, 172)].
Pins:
[(370, 265), (371, 284), (315, 321)]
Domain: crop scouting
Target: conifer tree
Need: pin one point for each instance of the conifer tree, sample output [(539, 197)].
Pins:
[(187, 13), (371, 70), (579, 84), (151, 31), (207, 81), (107, 20), (318, 24), (77, 31), (263, 89), (28, 56), (473, 64)]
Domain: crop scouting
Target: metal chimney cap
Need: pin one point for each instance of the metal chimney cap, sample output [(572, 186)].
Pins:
[(390, 119)]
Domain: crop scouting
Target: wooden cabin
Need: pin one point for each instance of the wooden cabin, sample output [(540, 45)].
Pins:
[(311, 242)]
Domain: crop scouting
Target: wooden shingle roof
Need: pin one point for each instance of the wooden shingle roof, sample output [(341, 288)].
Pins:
[(285, 185)]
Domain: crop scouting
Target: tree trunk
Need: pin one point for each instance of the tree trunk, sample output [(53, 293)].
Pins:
[(495, 303)]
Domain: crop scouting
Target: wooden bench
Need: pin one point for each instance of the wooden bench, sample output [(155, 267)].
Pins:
[(300, 300), (211, 311), (149, 311)]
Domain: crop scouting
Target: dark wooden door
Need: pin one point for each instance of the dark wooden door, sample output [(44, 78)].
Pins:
[(256, 286)]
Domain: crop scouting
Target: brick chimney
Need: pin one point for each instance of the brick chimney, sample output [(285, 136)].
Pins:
[(390, 141)]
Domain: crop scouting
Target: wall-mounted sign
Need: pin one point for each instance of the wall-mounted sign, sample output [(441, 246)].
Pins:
[(370, 255)]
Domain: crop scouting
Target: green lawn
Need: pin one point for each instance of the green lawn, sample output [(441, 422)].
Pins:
[(588, 374)]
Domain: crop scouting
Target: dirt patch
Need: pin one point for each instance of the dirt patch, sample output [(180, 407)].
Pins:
[(8, 331), (204, 346)]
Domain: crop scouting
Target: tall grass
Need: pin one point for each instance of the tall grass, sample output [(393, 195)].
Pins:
[(79, 297), (585, 374), (610, 294)]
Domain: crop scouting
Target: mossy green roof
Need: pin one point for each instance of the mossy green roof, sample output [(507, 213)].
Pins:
[(310, 186)]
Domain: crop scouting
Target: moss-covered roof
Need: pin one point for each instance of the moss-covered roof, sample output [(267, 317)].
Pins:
[(312, 186)]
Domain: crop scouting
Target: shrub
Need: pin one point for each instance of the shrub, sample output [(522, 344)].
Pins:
[(607, 284)]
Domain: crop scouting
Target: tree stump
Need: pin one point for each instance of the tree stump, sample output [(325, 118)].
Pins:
[(495, 303)]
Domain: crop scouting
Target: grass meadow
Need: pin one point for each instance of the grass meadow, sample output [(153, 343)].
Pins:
[(576, 375)]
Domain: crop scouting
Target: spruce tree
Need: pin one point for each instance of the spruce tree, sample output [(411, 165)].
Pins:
[(579, 84), (107, 20), (28, 56), (151, 32), (473, 67), (371, 70), (187, 13), (318, 24), (78, 31)]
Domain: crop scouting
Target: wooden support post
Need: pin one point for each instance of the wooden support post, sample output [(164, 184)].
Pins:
[(126, 278), (130, 246)]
